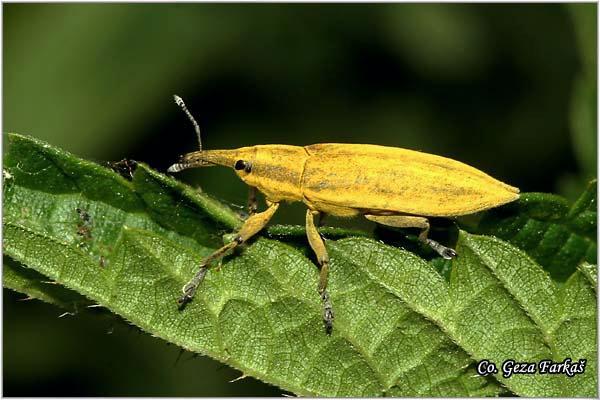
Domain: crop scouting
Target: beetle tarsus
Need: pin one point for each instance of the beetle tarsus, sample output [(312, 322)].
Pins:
[(189, 289), (327, 312), (443, 251)]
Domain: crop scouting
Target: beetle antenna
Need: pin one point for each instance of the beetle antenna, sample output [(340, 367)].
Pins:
[(180, 103)]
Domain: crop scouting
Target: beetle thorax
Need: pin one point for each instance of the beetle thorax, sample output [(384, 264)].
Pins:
[(276, 170)]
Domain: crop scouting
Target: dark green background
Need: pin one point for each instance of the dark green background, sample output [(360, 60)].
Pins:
[(507, 88)]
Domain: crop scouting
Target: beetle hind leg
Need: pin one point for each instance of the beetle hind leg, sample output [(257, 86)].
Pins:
[(407, 221), (318, 246)]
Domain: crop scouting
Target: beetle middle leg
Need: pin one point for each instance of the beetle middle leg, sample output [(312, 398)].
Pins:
[(254, 224), (318, 246), (408, 221)]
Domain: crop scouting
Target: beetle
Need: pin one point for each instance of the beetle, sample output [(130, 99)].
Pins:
[(388, 185)]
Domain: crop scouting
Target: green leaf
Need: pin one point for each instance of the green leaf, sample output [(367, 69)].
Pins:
[(499, 305), (45, 187), (37, 286), (556, 236), (401, 329), (590, 271)]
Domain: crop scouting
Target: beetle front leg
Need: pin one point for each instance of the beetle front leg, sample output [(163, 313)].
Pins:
[(254, 224), (318, 246), (406, 221)]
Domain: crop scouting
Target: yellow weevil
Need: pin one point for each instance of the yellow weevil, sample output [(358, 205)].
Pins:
[(388, 185)]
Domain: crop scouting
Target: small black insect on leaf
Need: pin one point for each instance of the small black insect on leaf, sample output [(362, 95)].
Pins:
[(84, 224), (125, 167)]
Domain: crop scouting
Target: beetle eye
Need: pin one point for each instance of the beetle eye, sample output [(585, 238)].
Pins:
[(241, 164)]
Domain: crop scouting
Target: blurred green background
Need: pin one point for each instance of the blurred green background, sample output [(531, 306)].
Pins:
[(507, 88)]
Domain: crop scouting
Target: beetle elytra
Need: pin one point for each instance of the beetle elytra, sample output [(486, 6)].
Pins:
[(390, 186)]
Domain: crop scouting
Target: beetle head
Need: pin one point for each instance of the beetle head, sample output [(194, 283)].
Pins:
[(239, 159)]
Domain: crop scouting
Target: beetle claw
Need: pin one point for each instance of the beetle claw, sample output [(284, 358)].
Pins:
[(183, 300), (188, 294), (448, 253), (443, 251)]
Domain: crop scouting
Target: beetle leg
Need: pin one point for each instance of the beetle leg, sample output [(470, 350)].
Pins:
[(407, 221), (322, 217), (252, 203), (316, 243), (251, 226)]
